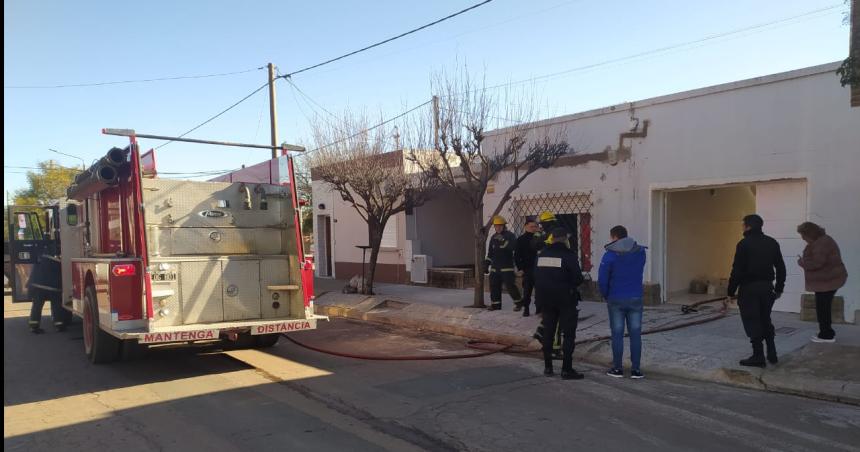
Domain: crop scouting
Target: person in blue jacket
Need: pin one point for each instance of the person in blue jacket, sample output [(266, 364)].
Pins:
[(620, 280)]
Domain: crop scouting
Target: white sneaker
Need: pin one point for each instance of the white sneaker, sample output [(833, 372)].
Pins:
[(823, 341)]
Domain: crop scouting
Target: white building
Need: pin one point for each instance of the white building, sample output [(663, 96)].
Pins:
[(785, 146), (680, 171)]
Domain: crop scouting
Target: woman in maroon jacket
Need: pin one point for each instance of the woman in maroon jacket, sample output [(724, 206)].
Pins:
[(824, 273)]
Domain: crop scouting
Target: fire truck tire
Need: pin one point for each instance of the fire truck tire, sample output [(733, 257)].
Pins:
[(100, 346), (267, 340)]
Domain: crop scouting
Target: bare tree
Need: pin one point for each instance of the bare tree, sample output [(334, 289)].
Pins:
[(466, 161), (364, 167)]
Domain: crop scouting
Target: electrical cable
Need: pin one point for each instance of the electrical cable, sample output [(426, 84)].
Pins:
[(370, 128), (387, 40), (663, 49), (217, 115), (118, 82)]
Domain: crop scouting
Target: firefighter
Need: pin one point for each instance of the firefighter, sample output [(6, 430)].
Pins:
[(541, 240), (557, 276), (500, 263), (44, 285), (526, 256)]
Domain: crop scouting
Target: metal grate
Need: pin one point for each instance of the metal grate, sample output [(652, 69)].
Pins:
[(575, 205)]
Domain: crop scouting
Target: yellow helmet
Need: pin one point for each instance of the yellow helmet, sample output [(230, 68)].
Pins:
[(498, 219), (546, 215)]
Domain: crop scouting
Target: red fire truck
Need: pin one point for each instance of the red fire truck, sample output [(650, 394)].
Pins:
[(146, 260)]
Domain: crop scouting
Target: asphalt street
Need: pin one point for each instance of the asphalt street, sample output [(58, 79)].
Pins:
[(291, 398)]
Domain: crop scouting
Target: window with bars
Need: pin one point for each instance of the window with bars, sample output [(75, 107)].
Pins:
[(572, 209)]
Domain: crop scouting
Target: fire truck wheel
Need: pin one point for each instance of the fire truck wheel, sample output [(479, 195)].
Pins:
[(99, 346), (267, 340)]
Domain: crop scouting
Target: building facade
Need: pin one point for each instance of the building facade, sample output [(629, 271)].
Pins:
[(680, 171)]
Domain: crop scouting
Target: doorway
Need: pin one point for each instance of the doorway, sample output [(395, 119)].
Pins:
[(701, 228), (324, 240)]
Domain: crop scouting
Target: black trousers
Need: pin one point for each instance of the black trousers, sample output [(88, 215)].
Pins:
[(39, 298), (755, 301), (528, 288), (563, 314), (824, 312), (508, 278)]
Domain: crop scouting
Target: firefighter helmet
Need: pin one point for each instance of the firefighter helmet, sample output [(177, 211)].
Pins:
[(498, 219), (546, 215)]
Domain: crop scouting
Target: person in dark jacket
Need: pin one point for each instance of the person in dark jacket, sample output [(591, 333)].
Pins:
[(543, 238), (525, 256), (45, 285), (500, 257), (758, 260), (824, 273), (620, 281), (557, 276)]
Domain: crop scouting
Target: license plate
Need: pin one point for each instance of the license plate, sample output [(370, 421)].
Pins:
[(283, 327), (178, 336)]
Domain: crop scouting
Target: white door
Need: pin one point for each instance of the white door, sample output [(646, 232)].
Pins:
[(419, 269), (782, 205)]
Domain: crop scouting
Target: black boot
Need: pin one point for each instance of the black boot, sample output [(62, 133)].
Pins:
[(771, 350), (571, 374), (539, 334), (526, 312), (757, 358), (495, 306), (547, 371), (518, 306)]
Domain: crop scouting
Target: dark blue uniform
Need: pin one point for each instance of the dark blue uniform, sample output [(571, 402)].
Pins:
[(557, 276), (501, 257)]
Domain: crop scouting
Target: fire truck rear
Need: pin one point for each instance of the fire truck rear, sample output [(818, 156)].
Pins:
[(147, 260)]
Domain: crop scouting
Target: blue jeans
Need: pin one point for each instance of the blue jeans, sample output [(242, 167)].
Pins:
[(620, 311)]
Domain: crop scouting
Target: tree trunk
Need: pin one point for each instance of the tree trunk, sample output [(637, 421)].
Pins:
[(374, 232), (480, 255)]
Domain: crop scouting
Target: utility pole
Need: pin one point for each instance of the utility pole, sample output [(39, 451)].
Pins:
[(436, 121), (273, 114)]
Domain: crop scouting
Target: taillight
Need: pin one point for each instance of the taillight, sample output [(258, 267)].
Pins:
[(124, 270)]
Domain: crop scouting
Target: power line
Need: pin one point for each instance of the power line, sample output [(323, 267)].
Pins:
[(369, 128), (119, 82), (310, 99), (387, 40), (219, 114), (664, 49)]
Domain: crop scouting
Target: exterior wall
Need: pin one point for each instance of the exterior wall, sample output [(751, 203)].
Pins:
[(444, 229), (349, 230), (794, 125)]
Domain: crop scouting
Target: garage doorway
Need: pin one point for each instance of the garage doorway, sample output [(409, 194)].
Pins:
[(703, 225)]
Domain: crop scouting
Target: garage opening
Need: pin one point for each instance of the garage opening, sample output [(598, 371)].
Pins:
[(703, 226)]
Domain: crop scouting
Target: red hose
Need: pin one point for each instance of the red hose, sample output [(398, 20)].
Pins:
[(501, 348), (510, 348)]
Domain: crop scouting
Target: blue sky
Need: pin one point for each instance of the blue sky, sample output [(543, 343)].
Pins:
[(61, 42)]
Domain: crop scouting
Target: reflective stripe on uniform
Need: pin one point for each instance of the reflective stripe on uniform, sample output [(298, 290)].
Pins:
[(506, 269), (33, 322), (549, 262)]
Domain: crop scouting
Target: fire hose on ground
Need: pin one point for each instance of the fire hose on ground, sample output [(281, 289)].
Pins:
[(490, 348)]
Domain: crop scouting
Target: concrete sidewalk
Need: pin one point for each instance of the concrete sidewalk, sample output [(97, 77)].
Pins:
[(709, 351)]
